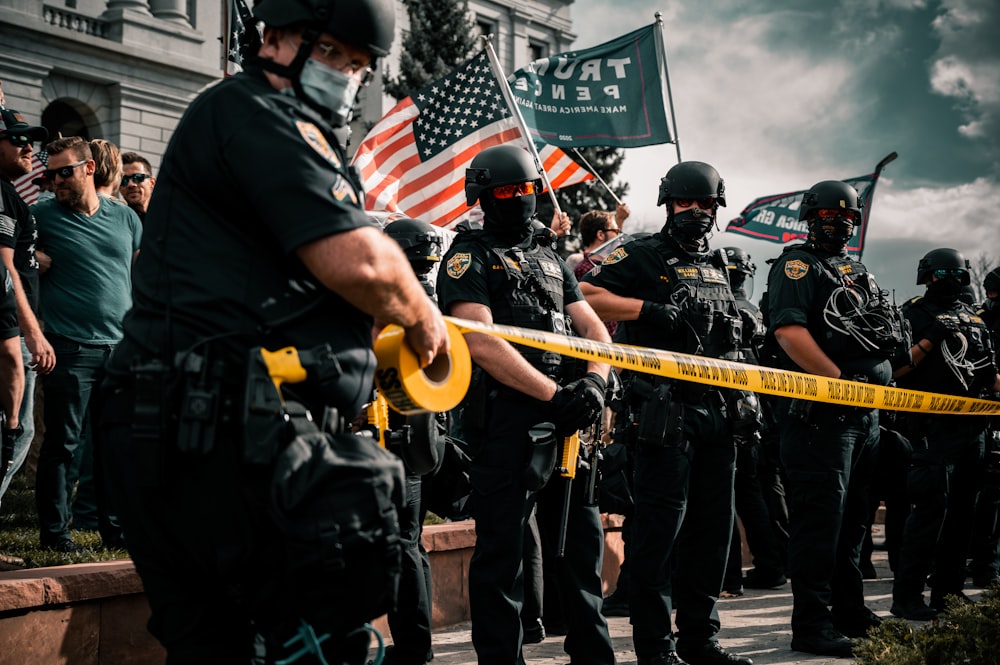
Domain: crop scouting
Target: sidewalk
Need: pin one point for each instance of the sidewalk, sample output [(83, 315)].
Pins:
[(755, 625)]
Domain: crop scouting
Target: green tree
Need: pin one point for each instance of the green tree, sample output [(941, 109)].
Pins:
[(440, 37)]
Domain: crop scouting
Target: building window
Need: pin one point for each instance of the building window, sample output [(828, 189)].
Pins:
[(537, 51), (485, 27)]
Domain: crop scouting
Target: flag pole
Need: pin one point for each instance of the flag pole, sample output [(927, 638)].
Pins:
[(508, 97), (871, 199), (597, 175), (225, 37), (661, 47)]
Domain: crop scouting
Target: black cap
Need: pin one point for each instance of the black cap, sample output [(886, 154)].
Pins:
[(13, 123)]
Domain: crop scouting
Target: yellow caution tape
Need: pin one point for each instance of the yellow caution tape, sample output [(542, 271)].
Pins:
[(410, 389), (729, 374)]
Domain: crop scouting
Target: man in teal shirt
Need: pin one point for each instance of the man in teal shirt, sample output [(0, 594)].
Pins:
[(87, 244)]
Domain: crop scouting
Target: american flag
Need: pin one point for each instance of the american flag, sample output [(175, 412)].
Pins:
[(413, 161), (238, 14), (26, 189)]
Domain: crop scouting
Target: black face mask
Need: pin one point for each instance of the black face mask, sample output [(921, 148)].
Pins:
[(508, 218), (944, 290), (692, 225), (834, 232)]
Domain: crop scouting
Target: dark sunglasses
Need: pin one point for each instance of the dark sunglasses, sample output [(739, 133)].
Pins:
[(615, 231), (137, 178), (705, 203), (20, 140), (64, 172), (944, 273)]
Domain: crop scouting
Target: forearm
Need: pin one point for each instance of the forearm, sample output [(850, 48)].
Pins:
[(12, 378), (609, 306), (588, 325), (503, 362), (800, 346)]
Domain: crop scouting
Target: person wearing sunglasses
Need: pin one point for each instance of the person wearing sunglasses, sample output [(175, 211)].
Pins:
[(90, 243), (17, 247), (137, 182), (504, 274), (240, 257), (952, 353), (827, 316), (670, 291)]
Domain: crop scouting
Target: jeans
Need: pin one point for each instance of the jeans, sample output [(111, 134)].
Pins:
[(22, 446), (70, 392)]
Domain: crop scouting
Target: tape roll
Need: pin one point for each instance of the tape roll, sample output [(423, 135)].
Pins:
[(410, 390)]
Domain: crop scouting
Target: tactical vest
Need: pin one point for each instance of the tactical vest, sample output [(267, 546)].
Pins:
[(975, 369), (712, 324), (856, 319), (530, 295)]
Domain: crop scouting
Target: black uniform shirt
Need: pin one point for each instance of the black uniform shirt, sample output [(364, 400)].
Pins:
[(17, 230), (798, 289), (250, 175)]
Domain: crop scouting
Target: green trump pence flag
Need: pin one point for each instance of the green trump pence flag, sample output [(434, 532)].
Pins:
[(614, 94)]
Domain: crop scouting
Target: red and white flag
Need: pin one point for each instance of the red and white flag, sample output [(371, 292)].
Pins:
[(413, 161), (26, 189)]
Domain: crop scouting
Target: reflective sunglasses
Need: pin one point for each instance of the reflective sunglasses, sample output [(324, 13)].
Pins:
[(65, 172), (615, 231), (705, 203), (832, 213), (944, 273), (136, 178), (19, 140), (517, 189)]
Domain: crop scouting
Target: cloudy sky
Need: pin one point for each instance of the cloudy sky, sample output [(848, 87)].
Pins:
[(779, 94)]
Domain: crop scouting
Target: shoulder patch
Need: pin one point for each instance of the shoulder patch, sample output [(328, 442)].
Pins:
[(343, 190), (550, 269), (615, 256), (318, 142), (713, 275), (796, 269), (458, 264)]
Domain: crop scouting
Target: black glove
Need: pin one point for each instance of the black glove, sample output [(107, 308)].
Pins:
[(941, 329), (578, 404), (660, 315)]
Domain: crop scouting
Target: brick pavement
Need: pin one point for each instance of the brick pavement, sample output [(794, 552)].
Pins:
[(755, 624)]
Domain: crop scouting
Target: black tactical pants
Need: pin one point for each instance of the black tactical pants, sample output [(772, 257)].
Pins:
[(683, 516), (501, 506), (828, 462)]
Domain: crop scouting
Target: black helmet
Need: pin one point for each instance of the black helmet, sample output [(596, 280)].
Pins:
[(738, 260), (499, 165), (364, 24), (992, 280), (830, 195), (692, 180), (421, 242), (943, 259)]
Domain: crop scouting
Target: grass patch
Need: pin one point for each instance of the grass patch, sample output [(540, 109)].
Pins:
[(19, 533)]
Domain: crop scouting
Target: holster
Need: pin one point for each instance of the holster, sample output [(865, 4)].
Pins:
[(541, 456), (661, 418)]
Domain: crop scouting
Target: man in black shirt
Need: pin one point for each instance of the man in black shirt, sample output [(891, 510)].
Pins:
[(255, 237)]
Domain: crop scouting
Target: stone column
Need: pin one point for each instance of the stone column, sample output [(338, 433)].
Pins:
[(170, 10), (136, 5)]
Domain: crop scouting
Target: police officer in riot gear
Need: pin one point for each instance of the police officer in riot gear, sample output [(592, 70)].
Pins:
[(420, 443), (952, 354), (503, 274), (670, 292), (829, 318), (759, 490), (239, 257), (984, 553)]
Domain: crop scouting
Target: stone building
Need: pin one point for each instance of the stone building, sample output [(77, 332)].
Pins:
[(125, 70)]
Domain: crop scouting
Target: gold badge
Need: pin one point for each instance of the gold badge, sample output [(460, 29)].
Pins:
[(342, 190), (616, 256), (458, 264), (317, 142), (796, 269)]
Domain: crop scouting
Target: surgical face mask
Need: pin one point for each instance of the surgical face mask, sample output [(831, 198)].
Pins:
[(329, 88)]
